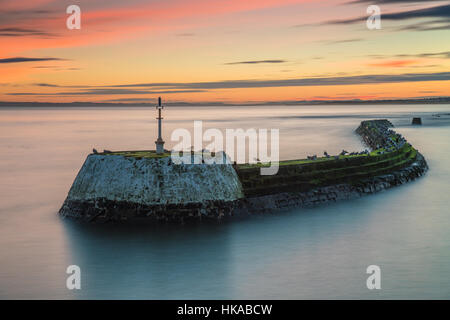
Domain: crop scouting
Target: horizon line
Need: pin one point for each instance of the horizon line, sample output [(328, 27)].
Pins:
[(435, 99)]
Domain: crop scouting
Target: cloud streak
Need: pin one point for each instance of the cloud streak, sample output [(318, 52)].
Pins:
[(22, 32), (256, 62), (343, 41), (302, 82), (394, 1), (442, 12), (176, 87), (394, 63), (24, 59), (102, 92)]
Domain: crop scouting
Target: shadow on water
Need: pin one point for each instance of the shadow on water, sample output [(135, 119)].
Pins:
[(148, 261), (233, 259)]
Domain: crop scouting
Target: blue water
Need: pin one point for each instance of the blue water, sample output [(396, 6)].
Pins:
[(317, 253)]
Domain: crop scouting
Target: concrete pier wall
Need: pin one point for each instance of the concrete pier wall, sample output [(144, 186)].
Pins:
[(152, 184)]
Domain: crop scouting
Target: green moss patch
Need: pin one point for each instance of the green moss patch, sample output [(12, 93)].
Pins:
[(147, 154)]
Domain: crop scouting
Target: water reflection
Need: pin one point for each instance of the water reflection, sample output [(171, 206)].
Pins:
[(222, 260), (150, 261)]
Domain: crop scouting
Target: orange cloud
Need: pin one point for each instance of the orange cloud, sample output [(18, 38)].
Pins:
[(24, 4), (117, 21), (394, 63)]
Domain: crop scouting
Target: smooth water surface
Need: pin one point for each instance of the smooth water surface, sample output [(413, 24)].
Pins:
[(320, 252)]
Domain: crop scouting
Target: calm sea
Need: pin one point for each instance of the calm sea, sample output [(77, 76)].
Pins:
[(321, 252)]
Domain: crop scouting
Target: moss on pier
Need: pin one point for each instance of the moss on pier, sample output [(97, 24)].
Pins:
[(146, 154), (305, 174)]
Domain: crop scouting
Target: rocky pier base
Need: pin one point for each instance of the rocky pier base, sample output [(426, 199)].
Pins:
[(321, 195), (104, 210)]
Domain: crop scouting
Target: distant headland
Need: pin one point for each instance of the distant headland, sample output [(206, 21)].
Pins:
[(425, 100)]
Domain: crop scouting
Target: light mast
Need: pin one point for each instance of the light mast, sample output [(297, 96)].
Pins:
[(159, 142)]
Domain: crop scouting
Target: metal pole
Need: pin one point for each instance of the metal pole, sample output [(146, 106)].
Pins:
[(159, 124), (159, 142)]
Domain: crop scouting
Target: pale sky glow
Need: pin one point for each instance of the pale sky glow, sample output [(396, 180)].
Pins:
[(203, 50)]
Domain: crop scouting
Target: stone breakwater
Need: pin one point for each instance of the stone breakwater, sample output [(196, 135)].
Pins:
[(332, 193), (391, 163), (113, 187)]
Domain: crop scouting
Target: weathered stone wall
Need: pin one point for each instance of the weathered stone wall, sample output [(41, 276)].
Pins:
[(315, 183), (149, 187), (332, 193), (392, 153)]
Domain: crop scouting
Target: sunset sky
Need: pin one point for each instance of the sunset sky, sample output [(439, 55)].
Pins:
[(223, 50)]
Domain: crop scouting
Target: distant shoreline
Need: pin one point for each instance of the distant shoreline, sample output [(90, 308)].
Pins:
[(440, 100)]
